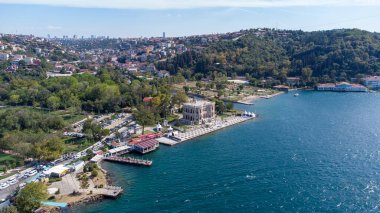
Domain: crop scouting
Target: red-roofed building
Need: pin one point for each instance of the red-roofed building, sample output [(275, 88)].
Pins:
[(146, 146), (281, 88), (115, 144), (144, 137), (372, 82), (341, 87), (148, 99)]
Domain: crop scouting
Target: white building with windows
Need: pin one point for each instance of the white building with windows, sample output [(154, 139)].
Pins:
[(4, 56), (372, 82), (341, 87), (198, 112)]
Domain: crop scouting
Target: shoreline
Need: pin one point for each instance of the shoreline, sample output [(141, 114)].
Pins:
[(250, 99), (201, 131), (247, 100), (75, 200), (273, 95), (86, 198)]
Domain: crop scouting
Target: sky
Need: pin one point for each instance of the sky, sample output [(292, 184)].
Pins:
[(146, 18)]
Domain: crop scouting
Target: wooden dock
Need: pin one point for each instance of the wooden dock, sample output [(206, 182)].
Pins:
[(129, 160)]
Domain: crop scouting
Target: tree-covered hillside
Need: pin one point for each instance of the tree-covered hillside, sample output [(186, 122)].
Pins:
[(327, 56)]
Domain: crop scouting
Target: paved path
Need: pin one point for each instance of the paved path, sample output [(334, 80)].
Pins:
[(167, 141), (196, 132)]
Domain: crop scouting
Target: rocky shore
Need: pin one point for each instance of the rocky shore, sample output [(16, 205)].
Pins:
[(85, 196)]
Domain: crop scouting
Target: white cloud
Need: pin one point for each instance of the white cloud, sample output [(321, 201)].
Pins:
[(177, 4)]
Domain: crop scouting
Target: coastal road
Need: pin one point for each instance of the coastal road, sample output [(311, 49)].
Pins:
[(4, 193)]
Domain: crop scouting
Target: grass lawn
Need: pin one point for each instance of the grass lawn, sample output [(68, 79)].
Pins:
[(75, 145), (67, 116), (171, 118), (7, 175), (4, 157), (10, 158), (223, 116), (70, 118)]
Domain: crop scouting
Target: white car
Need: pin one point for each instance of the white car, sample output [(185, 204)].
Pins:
[(4, 185), (12, 181), (33, 172), (22, 185)]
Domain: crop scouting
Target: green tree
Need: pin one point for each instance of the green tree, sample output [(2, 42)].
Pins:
[(199, 84), (186, 88), (94, 173), (306, 74), (14, 99), (93, 130), (9, 209), (229, 106), (179, 98), (53, 102), (144, 116), (29, 198), (220, 107), (233, 75), (49, 149)]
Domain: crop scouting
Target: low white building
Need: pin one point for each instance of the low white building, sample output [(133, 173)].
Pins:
[(341, 87), (29, 60), (4, 56), (96, 158), (163, 74), (38, 50), (76, 166), (372, 82), (57, 171), (53, 75)]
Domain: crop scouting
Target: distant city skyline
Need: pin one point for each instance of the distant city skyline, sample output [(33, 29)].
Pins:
[(41, 18)]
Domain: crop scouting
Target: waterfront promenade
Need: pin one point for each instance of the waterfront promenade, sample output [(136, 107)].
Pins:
[(202, 130)]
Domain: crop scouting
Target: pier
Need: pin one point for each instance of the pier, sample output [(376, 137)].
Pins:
[(129, 160)]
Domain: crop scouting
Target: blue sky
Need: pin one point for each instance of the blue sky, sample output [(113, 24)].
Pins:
[(123, 18)]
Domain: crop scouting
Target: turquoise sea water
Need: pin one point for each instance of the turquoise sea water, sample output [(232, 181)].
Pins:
[(314, 153)]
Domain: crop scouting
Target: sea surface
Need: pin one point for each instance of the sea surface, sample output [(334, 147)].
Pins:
[(319, 152)]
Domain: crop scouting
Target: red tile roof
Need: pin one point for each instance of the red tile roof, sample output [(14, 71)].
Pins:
[(146, 143), (372, 78), (144, 137), (281, 87), (147, 99)]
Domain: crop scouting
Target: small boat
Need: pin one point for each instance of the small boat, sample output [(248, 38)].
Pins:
[(296, 95)]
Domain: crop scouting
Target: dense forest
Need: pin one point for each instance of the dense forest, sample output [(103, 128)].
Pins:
[(321, 56), (31, 125)]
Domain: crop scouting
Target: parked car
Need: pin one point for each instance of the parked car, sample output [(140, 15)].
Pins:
[(33, 172), (12, 181), (22, 185), (19, 176), (4, 185)]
